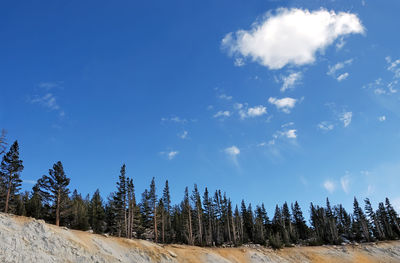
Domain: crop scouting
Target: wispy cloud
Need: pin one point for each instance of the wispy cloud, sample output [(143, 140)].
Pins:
[(174, 119), (170, 154), (232, 153), (338, 66), (291, 80), (346, 117), (329, 186), (291, 36), (183, 135), (345, 182), (222, 114), (342, 77), (325, 126)]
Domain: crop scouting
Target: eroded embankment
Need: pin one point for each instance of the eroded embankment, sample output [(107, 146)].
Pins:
[(27, 240)]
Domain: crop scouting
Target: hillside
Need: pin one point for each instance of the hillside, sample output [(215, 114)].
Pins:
[(28, 240)]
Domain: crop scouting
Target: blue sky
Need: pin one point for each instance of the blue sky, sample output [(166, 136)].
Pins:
[(270, 101)]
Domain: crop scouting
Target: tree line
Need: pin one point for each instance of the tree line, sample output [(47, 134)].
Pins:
[(201, 219)]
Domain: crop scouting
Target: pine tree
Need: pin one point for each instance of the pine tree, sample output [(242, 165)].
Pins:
[(299, 222), (393, 217), (208, 217), (187, 215), (166, 198), (54, 190), (374, 221), (153, 206), (96, 213), (3, 142), (79, 212), (10, 181), (120, 203), (360, 223), (198, 215)]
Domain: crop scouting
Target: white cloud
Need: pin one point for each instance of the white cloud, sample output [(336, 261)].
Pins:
[(291, 80), (170, 155), (291, 36), (249, 112), (325, 126), (175, 119), (332, 69), (345, 183), (329, 186), (183, 135), (382, 118), (48, 101), (232, 151), (239, 62), (225, 97), (291, 134), (284, 104), (340, 44), (342, 76), (256, 111), (346, 117), (222, 114)]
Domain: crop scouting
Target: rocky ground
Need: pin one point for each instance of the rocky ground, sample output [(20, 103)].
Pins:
[(28, 240)]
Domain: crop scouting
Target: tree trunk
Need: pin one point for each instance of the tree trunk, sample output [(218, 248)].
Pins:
[(8, 195), (58, 209), (190, 227), (155, 223), (233, 230), (162, 226), (200, 226)]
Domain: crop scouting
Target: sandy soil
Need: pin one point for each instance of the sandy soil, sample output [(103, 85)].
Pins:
[(28, 240)]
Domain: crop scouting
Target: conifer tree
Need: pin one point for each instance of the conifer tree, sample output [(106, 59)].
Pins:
[(207, 218), (120, 203), (360, 223), (10, 181), (374, 221), (54, 190), (96, 213), (187, 215), (153, 206), (79, 212), (166, 198), (198, 214), (299, 221), (3, 142), (393, 217)]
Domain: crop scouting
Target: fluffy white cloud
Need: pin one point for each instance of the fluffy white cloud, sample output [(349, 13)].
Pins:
[(232, 151), (291, 134), (325, 126), (342, 76), (284, 104), (291, 80), (345, 183), (222, 114), (291, 36), (256, 111), (382, 118), (329, 186), (346, 117)]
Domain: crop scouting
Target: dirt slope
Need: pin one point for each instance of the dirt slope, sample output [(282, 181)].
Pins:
[(27, 240)]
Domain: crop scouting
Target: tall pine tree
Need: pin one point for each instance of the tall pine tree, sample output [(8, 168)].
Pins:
[(10, 181)]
